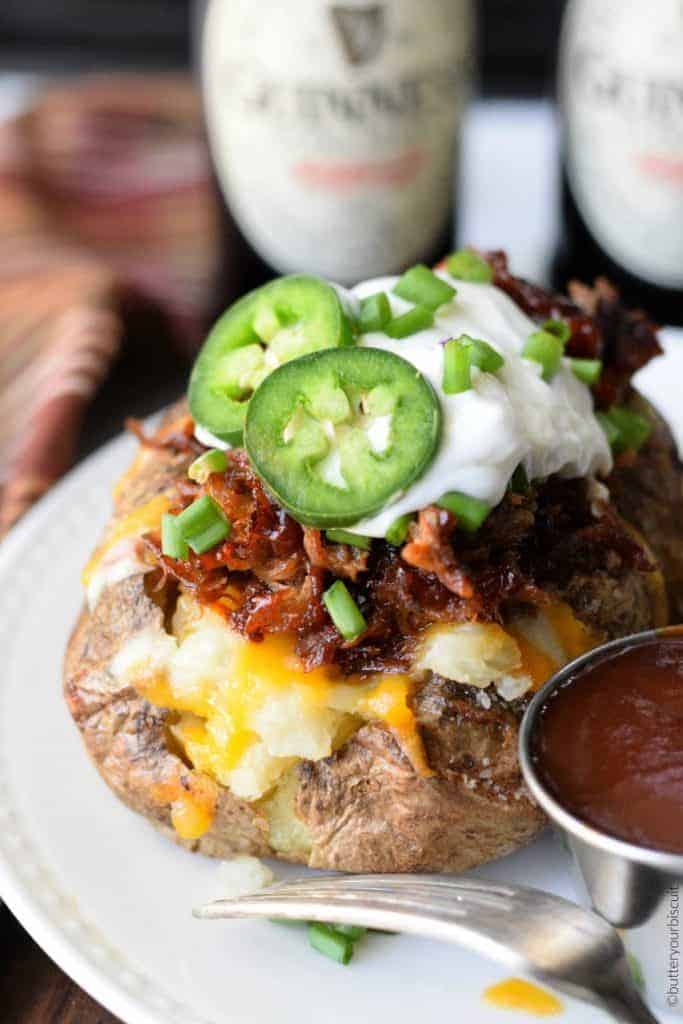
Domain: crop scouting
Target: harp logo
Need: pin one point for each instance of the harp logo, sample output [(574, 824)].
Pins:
[(360, 31)]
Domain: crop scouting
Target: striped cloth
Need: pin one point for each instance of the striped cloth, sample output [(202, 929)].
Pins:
[(105, 208)]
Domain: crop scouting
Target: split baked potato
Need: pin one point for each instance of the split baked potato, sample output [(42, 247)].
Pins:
[(368, 806), (221, 707)]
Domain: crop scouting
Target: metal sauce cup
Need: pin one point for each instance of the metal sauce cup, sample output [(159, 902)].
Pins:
[(637, 889)]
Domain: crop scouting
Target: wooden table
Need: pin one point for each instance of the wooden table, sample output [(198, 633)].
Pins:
[(33, 990)]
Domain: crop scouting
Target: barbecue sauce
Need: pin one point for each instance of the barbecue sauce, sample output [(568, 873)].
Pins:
[(609, 743)]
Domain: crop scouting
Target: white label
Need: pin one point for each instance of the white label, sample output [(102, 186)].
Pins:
[(333, 126), (621, 87)]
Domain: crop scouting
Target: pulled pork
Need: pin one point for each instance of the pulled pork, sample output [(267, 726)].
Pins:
[(270, 574), (601, 328)]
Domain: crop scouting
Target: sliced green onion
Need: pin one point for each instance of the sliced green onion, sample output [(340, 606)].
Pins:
[(422, 286), (355, 540), (470, 512), (203, 524), (519, 481), (546, 349), (172, 543), (375, 313), (344, 611), (625, 430), (457, 364), (352, 931), (636, 971), (208, 538), (610, 429), (463, 353), (467, 266), (214, 461), (398, 531), (416, 319), (587, 370), (558, 328), (330, 942), (482, 354)]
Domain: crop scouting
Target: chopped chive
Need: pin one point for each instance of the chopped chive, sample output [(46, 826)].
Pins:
[(208, 538), (636, 971), (352, 931), (172, 543), (470, 512), (634, 429), (544, 348), (398, 531), (416, 319), (203, 524), (587, 370), (355, 540), (456, 368), (625, 430), (482, 354), (344, 611), (213, 461), (467, 266), (375, 313), (610, 429), (460, 355), (519, 482), (422, 286), (329, 942), (558, 328)]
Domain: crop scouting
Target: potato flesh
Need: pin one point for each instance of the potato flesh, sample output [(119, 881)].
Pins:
[(247, 713)]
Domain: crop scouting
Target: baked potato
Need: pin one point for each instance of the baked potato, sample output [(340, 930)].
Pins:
[(216, 698)]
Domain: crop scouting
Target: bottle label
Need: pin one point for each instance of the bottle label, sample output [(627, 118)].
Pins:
[(333, 126), (621, 90)]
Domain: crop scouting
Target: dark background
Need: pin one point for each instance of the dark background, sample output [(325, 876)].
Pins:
[(517, 38)]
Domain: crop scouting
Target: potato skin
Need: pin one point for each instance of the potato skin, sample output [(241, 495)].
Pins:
[(368, 811), (648, 493), (365, 808)]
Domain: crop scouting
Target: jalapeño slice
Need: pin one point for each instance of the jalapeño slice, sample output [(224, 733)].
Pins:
[(337, 434), (286, 318)]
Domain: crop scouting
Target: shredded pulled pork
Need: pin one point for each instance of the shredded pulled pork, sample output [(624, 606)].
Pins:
[(270, 574), (601, 328), (430, 549)]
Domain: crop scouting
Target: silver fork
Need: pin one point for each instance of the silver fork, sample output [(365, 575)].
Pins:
[(531, 932)]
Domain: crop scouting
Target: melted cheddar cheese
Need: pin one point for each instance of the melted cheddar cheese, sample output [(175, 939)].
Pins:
[(116, 558), (518, 994), (245, 712)]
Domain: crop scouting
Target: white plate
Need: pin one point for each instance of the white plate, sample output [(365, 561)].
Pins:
[(110, 900)]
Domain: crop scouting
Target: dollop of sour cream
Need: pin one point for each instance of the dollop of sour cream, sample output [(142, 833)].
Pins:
[(507, 418)]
